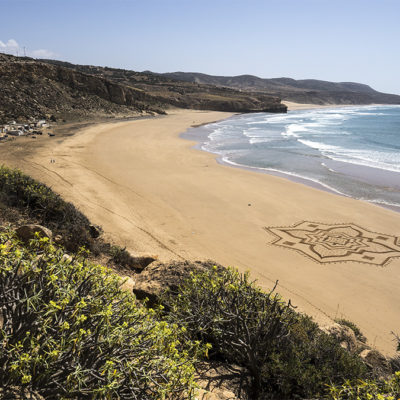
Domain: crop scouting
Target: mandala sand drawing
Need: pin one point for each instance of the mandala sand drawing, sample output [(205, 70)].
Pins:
[(326, 243)]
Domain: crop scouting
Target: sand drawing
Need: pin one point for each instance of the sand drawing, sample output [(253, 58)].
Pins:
[(328, 243)]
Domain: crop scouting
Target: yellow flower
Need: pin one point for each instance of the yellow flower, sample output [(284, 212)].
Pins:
[(65, 326), (26, 379)]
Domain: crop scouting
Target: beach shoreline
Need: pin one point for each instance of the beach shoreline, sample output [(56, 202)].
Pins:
[(368, 173), (153, 193)]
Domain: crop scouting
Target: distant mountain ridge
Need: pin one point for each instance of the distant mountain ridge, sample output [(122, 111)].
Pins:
[(42, 88), (311, 91)]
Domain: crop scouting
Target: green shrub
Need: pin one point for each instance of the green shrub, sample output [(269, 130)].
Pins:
[(285, 353), (309, 360), (69, 331), (120, 256), (243, 324), (367, 390), (354, 327), (40, 202)]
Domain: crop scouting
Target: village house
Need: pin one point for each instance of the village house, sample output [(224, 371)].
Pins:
[(41, 124), (13, 128)]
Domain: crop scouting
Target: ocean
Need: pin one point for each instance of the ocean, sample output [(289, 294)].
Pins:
[(353, 151)]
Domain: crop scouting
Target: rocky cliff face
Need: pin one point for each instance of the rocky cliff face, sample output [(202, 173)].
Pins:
[(184, 94), (34, 89)]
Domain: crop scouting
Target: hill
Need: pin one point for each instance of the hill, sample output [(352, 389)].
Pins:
[(178, 93), (32, 89), (41, 88), (310, 91)]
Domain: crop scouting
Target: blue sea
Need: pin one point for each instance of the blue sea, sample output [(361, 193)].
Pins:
[(353, 151)]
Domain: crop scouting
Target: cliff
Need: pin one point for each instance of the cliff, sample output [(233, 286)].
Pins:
[(183, 94), (34, 89)]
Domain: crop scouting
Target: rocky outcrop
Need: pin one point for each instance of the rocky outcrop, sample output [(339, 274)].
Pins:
[(35, 89), (32, 89), (215, 394), (142, 260), (344, 335), (219, 381), (28, 232), (184, 94), (158, 277), (378, 364), (137, 261)]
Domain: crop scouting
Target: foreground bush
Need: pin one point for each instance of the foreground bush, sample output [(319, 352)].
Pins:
[(69, 331), (40, 202), (353, 327), (286, 354), (310, 360), (367, 390)]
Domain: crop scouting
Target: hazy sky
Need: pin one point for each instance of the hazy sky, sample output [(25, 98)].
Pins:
[(352, 40)]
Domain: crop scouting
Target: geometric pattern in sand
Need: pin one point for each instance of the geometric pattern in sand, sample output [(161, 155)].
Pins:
[(327, 243)]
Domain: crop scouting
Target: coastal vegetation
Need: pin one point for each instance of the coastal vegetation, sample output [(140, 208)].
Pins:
[(69, 330), (285, 354), (383, 389), (21, 192), (24, 198), (353, 327)]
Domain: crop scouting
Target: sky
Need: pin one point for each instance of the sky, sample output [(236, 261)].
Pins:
[(334, 40)]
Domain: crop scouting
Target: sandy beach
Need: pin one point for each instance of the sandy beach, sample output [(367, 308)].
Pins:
[(153, 192)]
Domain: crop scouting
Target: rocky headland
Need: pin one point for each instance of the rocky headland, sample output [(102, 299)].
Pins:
[(36, 89)]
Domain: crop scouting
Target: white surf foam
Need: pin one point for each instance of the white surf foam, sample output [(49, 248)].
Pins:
[(228, 161), (293, 130)]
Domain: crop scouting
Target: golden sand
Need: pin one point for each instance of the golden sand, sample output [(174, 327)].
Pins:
[(153, 192)]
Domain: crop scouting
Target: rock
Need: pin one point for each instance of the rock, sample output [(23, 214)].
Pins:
[(158, 277), (376, 361), (141, 261), (344, 335), (125, 258), (216, 394), (27, 232), (94, 231), (65, 93), (67, 257), (218, 381), (129, 284)]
